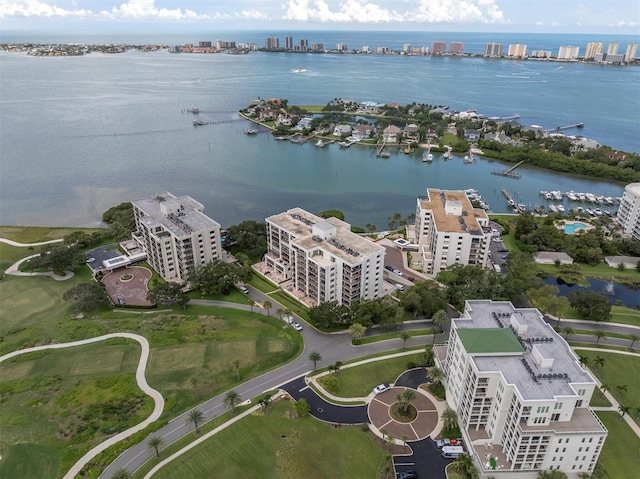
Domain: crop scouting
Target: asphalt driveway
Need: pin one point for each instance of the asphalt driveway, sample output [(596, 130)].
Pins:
[(425, 460)]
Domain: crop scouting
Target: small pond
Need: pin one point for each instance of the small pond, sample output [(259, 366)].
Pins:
[(613, 291)]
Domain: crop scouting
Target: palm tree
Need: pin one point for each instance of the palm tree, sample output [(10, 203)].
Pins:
[(280, 312), (405, 336), (599, 334), (440, 318), (406, 398), (435, 332), (236, 364), (267, 305), (265, 403), (604, 388), (634, 338), (436, 375), (196, 417), (370, 227), (449, 418), (314, 357), (357, 330), (121, 474), (621, 388), (384, 433), (251, 303), (598, 362), (231, 400), (405, 438), (193, 380), (428, 355), (567, 331), (335, 367), (465, 465), (623, 410), (154, 443), (584, 360)]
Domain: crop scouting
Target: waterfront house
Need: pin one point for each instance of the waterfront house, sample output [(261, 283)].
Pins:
[(501, 138), (411, 132), (284, 119), (471, 135), (340, 130), (362, 132), (267, 115), (390, 134)]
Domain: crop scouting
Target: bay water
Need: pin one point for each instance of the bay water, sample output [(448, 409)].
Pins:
[(80, 134)]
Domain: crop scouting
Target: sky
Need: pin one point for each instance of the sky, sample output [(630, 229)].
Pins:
[(544, 16)]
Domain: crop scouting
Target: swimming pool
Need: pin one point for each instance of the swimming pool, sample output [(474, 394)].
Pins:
[(571, 228)]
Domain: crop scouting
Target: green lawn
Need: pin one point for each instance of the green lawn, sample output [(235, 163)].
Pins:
[(275, 446), (618, 369), (58, 404), (359, 381), (599, 400), (621, 452)]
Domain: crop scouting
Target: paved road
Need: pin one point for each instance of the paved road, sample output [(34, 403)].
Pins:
[(324, 410), (333, 347), (425, 460)]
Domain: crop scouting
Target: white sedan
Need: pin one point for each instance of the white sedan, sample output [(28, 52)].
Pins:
[(380, 388), (296, 326)]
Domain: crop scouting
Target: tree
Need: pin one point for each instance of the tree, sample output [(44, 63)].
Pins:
[(236, 365), (424, 298), (440, 318), (464, 464), (265, 403), (405, 336), (622, 409), (250, 236), (552, 475), (267, 305), (168, 293), (548, 300), (121, 474), (280, 312), (604, 388), (634, 338), (196, 417), (251, 303), (332, 214), (215, 277), (335, 367), (370, 227), (598, 362), (120, 220), (56, 257), (436, 375), (590, 305), (154, 443), (449, 418), (193, 380), (405, 398), (314, 357), (567, 331), (599, 334), (231, 400), (621, 389), (86, 296), (584, 359), (302, 407), (329, 314), (435, 332), (357, 330)]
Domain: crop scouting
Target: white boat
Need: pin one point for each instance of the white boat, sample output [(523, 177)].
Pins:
[(466, 157), (251, 131), (571, 195), (427, 157), (384, 154), (548, 196), (553, 208), (320, 143), (560, 208), (298, 70)]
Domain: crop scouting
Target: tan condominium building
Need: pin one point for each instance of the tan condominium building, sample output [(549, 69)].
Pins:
[(593, 48), (631, 53), (521, 394), (323, 259), (176, 234), (517, 50), (449, 230)]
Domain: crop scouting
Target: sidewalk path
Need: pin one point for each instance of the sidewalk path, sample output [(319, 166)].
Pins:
[(15, 271), (26, 245), (140, 379)]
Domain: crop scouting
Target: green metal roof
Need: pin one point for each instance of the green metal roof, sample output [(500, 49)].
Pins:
[(489, 340)]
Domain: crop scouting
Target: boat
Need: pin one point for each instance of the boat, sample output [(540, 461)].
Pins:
[(320, 143), (427, 157), (548, 196), (466, 157), (298, 70), (384, 154), (344, 144), (560, 208), (553, 208), (198, 123), (280, 138), (250, 131), (445, 155)]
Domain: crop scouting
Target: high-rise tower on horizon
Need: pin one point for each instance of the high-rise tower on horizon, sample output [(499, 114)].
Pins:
[(592, 49)]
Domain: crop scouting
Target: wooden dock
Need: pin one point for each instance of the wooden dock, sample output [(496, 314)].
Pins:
[(509, 173), (379, 153)]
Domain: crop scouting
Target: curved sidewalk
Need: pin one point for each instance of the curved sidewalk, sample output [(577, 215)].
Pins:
[(140, 379), (26, 245), (14, 270)]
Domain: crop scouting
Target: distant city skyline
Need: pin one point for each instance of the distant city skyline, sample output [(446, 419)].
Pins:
[(543, 16)]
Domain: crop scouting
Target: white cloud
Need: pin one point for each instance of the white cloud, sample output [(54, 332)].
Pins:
[(253, 15), (426, 11), (34, 8), (145, 9)]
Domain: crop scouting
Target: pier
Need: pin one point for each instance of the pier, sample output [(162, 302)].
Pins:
[(511, 201), (216, 122), (379, 153), (197, 111), (575, 125), (509, 173)]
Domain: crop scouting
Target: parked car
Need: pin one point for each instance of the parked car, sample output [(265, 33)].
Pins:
[(411, 278), (380, 388), (443, 442), (407, 475), (502, 250), (398, 272), (244, 289), (389, 267), (296, 326)]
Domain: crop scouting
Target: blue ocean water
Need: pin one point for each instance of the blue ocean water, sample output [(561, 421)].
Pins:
[(80, 134)]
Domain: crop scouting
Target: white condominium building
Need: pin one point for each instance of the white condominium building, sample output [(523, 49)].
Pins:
[(628, 215), (322, 257), (176, 234), (631, 53), (568, 52), (613, 48), (493, 49), (449, 230), (521, 395)]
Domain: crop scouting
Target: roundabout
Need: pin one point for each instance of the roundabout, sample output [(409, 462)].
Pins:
[(385, 413)]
